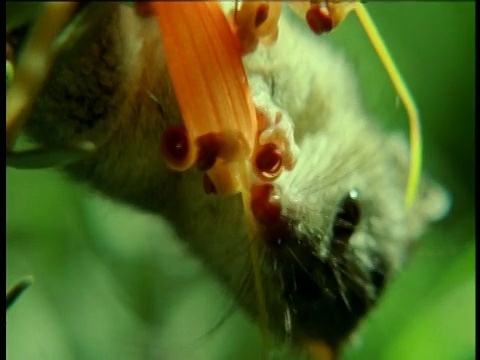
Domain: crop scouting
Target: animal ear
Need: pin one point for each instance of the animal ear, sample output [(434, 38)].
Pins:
[(432, 202)]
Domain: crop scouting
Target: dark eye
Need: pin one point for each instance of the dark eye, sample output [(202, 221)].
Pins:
[(345, 222)]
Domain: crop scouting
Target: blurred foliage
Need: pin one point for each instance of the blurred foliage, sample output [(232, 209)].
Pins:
[(21, 13), (111, 283)]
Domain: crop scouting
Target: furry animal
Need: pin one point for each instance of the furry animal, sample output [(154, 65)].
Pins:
[(343, 231)]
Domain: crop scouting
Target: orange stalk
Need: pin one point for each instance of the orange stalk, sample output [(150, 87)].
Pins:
[(205, 64), (204, 59)]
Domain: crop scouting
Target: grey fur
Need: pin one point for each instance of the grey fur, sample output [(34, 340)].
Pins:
[(104, 95)]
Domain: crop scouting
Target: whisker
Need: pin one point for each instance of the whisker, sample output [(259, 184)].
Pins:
[(233, 251), (246, 287), (287, 320), (220, 322), (299, 262), (356, 276), (242, 292), (341, 286)]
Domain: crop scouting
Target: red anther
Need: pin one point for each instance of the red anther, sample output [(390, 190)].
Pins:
[(268, 160), (319, 20), (208, 150), (143, 8), (261, 15), (175, 145), (208, 185), (266, 210)]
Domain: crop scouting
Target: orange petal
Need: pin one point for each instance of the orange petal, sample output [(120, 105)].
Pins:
[(204, 60)]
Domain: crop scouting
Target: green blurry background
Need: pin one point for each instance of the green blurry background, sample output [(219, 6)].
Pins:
[(111, 283)]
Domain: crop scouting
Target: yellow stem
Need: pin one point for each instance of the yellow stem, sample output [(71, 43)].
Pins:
[(405, 97)]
